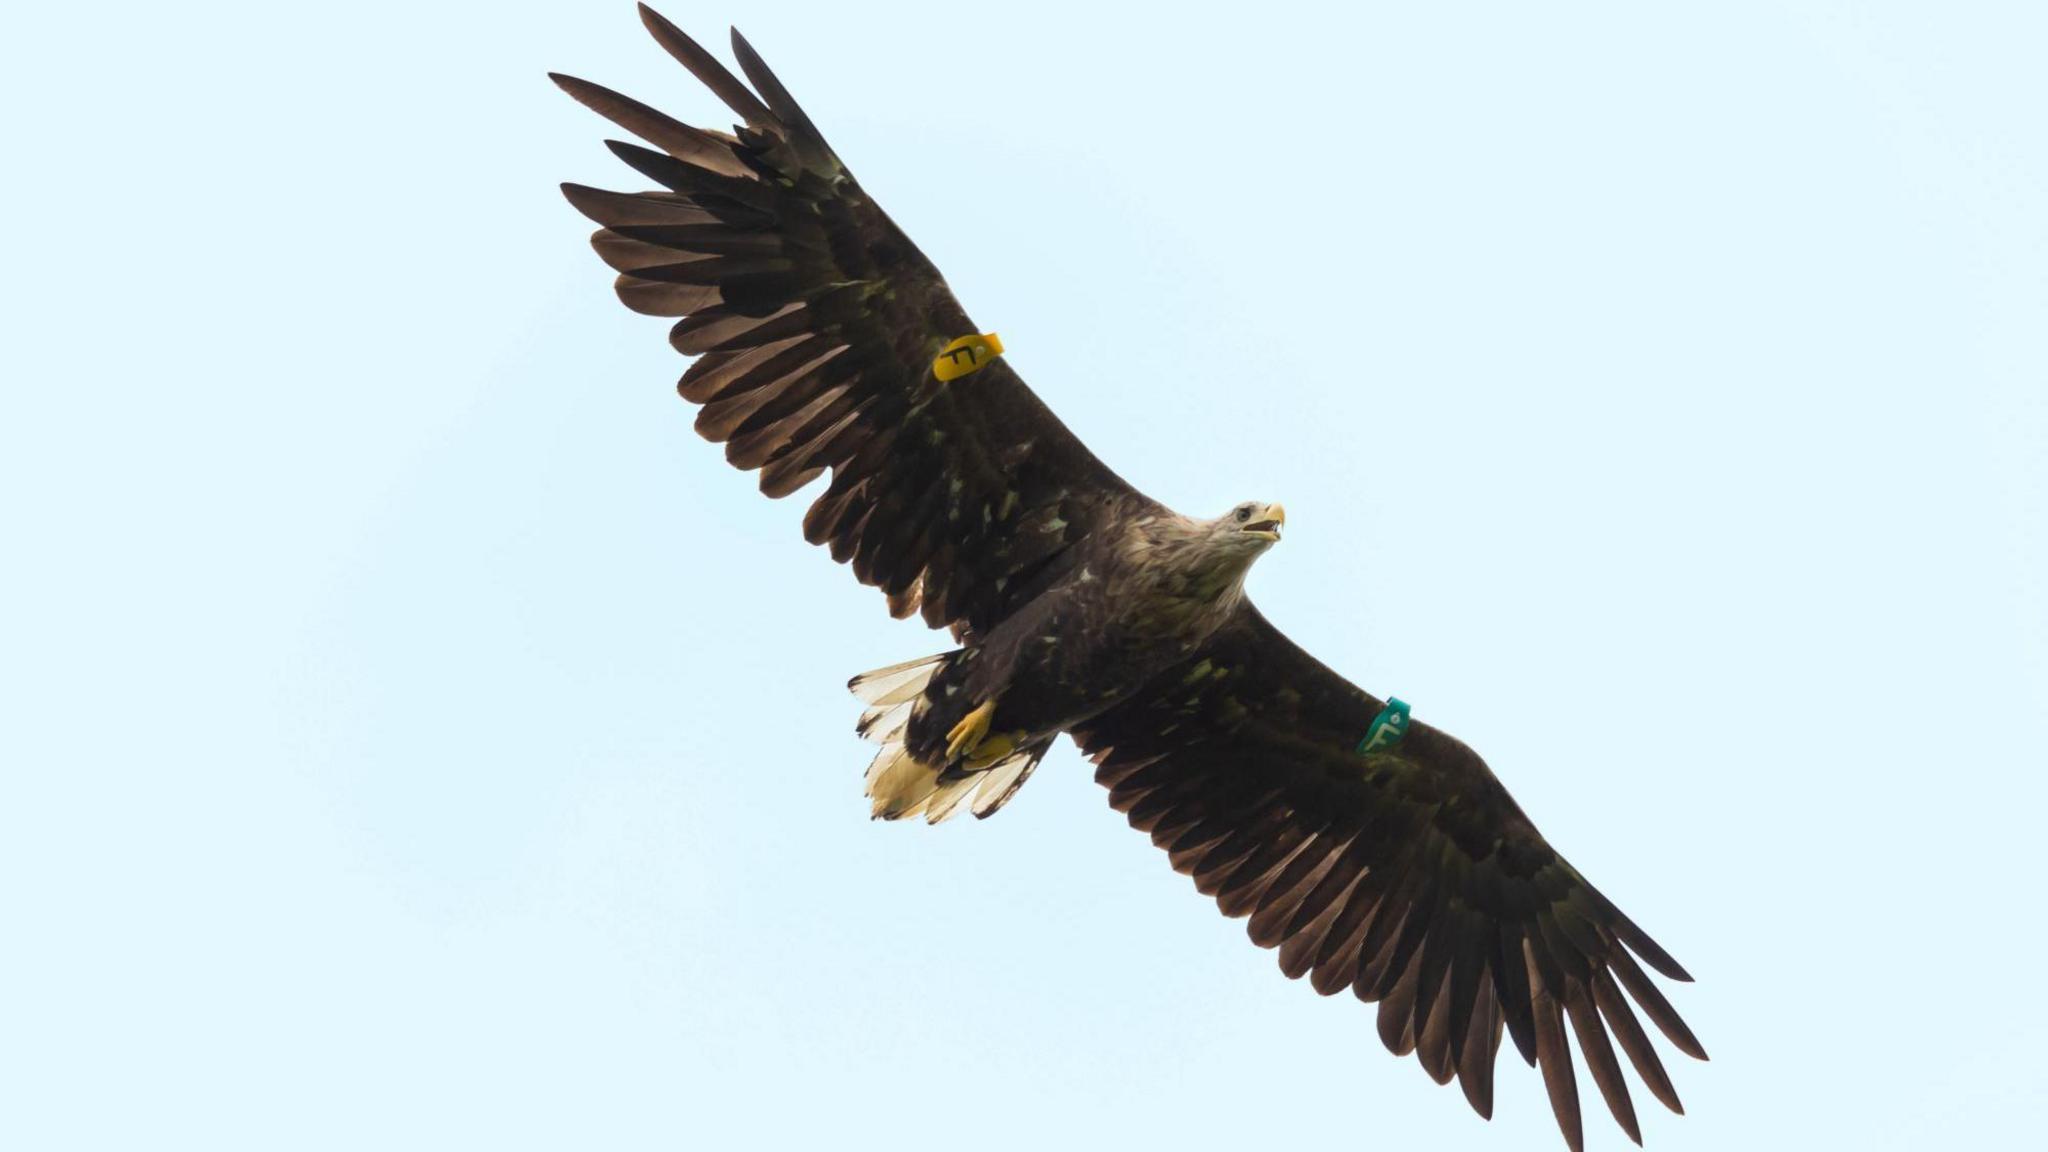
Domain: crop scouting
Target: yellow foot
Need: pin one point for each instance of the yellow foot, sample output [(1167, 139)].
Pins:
[(967, 735), (990, 752)]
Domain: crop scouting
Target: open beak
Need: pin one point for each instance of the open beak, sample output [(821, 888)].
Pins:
[(1267, 523)]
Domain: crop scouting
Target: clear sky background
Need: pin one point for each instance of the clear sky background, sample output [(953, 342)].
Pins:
[(416, 738)]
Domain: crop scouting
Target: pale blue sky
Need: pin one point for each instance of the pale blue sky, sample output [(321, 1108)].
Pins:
[(416, 738)]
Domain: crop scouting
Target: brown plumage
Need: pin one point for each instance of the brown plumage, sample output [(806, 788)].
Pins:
[(1405, 874)]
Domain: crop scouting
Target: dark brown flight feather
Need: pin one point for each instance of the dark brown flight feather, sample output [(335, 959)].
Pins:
[(1436, 897)]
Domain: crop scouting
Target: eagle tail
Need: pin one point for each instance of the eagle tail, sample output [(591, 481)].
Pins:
[(899, 784)]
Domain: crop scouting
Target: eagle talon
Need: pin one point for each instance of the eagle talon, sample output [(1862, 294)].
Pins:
[(991, 752), (968, 734)]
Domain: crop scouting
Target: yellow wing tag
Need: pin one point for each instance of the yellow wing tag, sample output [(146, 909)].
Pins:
[(967, 354)]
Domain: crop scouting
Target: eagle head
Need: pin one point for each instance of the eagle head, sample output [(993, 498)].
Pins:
[(1253, 525)]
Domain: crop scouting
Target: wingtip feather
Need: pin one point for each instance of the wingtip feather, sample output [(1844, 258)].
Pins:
[(706, 68)]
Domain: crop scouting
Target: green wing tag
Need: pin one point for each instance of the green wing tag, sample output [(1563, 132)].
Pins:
[(1387, 728)]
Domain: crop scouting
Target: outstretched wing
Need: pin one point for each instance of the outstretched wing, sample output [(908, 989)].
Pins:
[(816, 323), (1407, 875)]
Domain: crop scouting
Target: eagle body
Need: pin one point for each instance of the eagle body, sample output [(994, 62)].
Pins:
[(1125, 606), (1399, 871)]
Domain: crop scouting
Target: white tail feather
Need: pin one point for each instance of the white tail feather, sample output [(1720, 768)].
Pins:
[(913, 674), (1003, 781), (899, 785), (885, 724)]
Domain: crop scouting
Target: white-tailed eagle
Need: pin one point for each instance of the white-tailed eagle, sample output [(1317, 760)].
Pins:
[(1379, 856)]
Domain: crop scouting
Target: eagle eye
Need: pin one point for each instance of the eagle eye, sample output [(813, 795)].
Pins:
[(1244, 514)]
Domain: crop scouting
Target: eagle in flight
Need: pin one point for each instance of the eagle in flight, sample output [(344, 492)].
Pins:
[(1379, 855)]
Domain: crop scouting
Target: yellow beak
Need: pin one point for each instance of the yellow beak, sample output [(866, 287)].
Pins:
[(1267, 523)]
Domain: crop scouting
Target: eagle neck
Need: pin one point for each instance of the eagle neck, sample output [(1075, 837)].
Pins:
[(1191, 584)]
